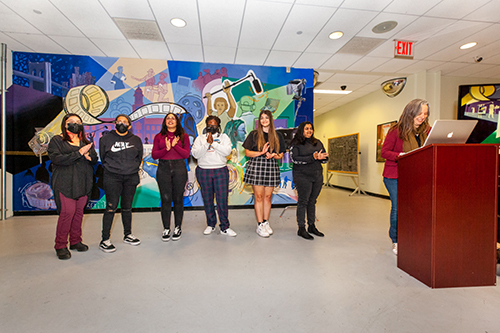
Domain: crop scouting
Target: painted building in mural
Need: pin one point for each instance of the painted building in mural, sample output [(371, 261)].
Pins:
[(45, 86)]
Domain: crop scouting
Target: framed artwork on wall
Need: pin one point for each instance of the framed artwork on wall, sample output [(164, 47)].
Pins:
[(382, 130)]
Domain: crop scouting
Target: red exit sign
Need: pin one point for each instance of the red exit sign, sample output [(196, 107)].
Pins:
[(403, 49)]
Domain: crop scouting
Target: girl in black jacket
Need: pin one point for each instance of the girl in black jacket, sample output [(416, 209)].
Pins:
[(307, 154), (121, 156), (72, 156)]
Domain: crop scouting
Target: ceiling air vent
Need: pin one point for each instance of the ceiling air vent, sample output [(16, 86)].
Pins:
[(139, 29), (361, 45)]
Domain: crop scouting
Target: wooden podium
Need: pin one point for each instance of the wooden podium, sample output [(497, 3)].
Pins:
[(447, 214)]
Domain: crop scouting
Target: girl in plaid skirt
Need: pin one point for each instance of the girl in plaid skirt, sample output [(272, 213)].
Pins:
[(264, 147)]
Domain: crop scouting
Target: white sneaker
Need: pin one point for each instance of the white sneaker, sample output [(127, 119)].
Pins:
[(208, 230), (228, 232), (395, 248), (262, 230), (268, 228)]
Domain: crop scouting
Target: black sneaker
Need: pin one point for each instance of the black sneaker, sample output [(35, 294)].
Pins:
[(166, 235), (107, 246), (131, 239), (80, 247), (177, 233), (63, 254)]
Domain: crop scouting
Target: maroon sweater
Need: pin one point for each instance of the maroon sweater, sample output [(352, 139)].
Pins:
[(179, 151)]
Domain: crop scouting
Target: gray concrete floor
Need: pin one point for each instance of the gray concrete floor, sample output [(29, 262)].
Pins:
[(346, 282)]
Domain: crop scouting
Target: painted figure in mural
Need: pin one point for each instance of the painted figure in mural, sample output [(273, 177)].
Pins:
[(307, 154), (211, 151), (171, 147), (193, 104), (221, 104), (72, 157), (409, 133), (264, 146), (235, 130), (149, 78), (162, 88), (121, 156), (118, 79)]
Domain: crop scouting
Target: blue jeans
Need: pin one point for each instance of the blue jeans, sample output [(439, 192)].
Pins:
[(392, 188)]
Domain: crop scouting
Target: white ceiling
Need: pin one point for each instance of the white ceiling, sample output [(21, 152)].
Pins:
[(265, 32)]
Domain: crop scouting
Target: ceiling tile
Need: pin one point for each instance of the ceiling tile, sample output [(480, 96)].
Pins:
[(219, 54), (329, 3), (40, 43), (493, 72), (115, 47), (367, 64), (402, 20), (165, 10), (346, 78), (261, 26), (307, 20), (341, 61), (324, 75), (186, 52), (488, 12), (455, 8), (423, 28), (134, 9), (11, 22), (411, 7), (366, 4), (281, 58), (311, 60), (422, 65), (217, 31), (251, 56), (78, 45), (349, 21), (13, 44), (90, 17), (394, 65), (148, 49), (50, 22), (470, 70), (449, 67)]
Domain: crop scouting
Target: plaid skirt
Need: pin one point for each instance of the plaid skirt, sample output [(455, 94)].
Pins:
[(261, 171)]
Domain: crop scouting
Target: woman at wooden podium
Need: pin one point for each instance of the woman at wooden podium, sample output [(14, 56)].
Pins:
[(407, 134)]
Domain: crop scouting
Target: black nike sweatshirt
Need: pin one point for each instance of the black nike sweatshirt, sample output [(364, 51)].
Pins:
[(120, 154)]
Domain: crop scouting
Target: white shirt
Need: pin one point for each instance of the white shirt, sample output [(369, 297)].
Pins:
[(211, 156)]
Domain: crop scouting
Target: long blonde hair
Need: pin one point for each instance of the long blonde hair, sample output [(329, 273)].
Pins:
[(274, 142), (406, 126)]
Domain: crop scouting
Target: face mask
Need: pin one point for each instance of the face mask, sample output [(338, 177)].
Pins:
[(121, 128), (212, 129), (74, 128)]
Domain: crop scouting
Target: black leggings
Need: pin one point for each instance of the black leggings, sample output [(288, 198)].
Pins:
[(116, 186), (172, 177)]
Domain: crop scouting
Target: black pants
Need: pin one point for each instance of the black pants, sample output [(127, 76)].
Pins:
[(116, 186), (172, 177), (308, 189)]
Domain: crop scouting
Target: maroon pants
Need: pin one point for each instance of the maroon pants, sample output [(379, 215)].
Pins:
[(70, 221)]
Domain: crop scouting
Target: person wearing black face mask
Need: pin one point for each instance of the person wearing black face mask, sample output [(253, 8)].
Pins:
[(72, 157), (121, 157), (211, 151)]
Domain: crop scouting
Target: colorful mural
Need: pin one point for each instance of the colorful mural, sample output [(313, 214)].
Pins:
[(46, 86)]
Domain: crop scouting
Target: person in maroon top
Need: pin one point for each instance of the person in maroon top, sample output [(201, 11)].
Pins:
[(409, 133), (171, 147)]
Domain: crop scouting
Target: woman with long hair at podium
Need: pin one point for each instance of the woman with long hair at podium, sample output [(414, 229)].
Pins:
[(409, 133)]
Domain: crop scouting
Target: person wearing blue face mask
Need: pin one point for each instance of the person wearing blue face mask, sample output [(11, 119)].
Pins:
[(72, 157), (211, 151), (121, 157)]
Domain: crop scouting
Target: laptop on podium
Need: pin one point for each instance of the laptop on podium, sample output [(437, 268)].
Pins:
[(450, 131)]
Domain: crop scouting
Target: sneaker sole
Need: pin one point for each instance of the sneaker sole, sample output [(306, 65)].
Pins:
[(107, 250), (131, 243), (176, 238), (165, 239), (263, 236)]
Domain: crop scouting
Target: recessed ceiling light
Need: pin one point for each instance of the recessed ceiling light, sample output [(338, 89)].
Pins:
[(336, 35), (36, 11), (177, 22), (468, 46), (337, 92), (384, 27)]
